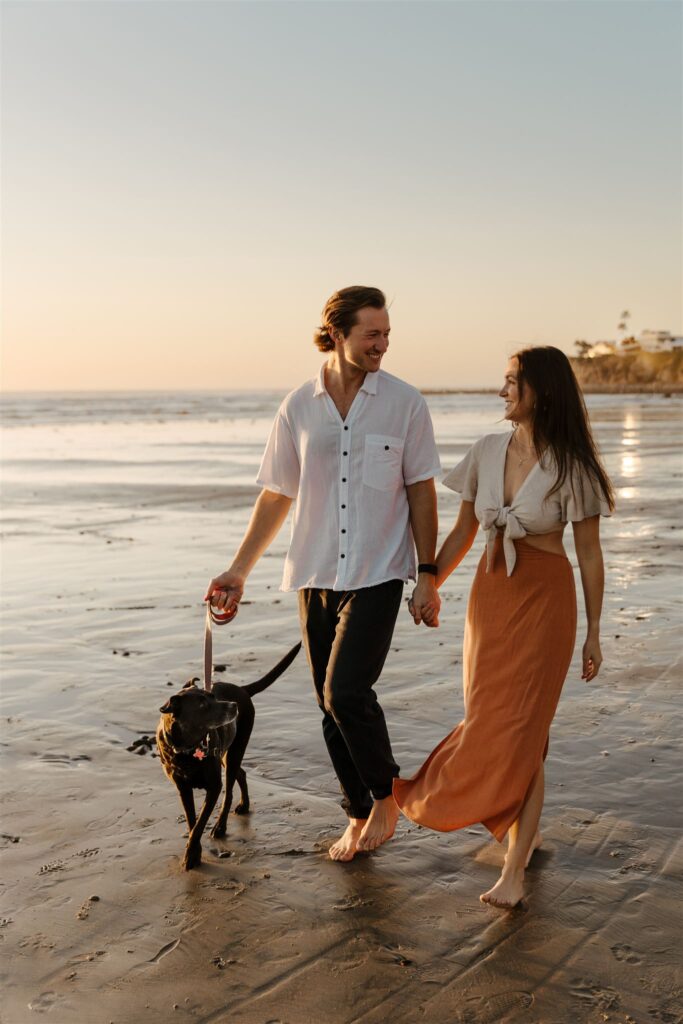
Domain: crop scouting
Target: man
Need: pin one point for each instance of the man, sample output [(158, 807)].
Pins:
[(354, 448)]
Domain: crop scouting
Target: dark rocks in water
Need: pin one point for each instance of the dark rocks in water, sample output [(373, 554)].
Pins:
[(142, 745)]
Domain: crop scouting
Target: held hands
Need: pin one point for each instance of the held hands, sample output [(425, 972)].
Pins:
[(425, 603), (591, 659), (225, 592)]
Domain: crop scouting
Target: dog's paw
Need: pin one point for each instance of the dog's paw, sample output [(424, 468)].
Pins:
[(218, 831), (192, 858), (242, 808)]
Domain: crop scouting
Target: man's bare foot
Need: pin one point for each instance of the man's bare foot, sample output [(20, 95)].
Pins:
[(508, 890), (380, 825), (346, 846), (535, 845)]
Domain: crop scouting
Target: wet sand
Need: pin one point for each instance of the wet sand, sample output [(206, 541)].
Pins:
[(98, 922)]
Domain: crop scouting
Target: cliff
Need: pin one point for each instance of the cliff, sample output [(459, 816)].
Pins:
[(642, 371)]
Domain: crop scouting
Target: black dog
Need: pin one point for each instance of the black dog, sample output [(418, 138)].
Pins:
[(198, 732)]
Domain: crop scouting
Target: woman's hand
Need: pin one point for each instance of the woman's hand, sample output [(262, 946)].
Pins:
[(225, 591), (425, 603), (589, 553), (592, 658)]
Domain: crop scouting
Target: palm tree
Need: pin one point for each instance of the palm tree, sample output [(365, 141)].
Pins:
[(623, 321)]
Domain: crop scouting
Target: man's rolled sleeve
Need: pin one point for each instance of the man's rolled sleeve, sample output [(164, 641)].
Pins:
[(420, 455), (280, 467)]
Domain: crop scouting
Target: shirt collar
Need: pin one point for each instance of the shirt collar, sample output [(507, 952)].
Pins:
[(320, 388), (369, 385)]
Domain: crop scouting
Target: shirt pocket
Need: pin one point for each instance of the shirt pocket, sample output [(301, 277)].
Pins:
[(383, 462)]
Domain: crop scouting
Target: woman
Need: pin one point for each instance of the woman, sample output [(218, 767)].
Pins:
[(523, 487)]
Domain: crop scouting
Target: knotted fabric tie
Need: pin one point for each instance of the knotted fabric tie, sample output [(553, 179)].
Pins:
[(494, 519)]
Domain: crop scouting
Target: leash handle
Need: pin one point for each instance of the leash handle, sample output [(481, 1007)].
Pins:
[(218, 619)]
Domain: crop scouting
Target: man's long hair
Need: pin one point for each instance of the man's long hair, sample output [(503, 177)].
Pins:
[(560, 418)]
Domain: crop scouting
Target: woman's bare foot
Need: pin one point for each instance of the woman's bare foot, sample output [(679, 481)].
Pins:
[(346, 846), (508, 890), (535, 845), (380, 825)]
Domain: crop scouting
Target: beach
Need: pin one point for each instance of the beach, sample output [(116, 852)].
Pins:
[(117, 510)]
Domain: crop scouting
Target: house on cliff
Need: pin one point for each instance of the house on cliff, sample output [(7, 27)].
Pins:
[(659, 341), (601, 348)]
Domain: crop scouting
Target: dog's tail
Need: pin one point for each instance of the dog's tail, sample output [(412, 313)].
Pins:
[(262, 684)]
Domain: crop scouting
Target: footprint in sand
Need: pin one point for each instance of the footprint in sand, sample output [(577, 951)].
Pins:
[(66, 760), (492, 1008), (87, 958), (44, 1002), (595, 995), (395, 955), (55, 865), (351, 903), (625, 954), (665, 1016), (642, 867)]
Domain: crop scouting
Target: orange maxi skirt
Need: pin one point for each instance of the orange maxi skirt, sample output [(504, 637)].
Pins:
[(519, 640)]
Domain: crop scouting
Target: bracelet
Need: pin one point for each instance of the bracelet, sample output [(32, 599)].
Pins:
[(428, 567)]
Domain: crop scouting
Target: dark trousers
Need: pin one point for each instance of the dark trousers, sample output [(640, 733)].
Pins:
[(347, 635)]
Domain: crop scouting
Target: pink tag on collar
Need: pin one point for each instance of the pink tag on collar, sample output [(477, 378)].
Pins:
[(199, 754)]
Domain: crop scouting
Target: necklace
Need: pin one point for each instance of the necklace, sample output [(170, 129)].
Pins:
[(530, 450)]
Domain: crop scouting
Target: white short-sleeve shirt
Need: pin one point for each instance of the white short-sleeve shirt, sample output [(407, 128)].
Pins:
[(350, 525)]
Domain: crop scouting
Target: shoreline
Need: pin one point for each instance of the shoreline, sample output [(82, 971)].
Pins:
[(667, 391), (7, 396)]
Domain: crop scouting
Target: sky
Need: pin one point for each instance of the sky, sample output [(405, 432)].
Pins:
[(185, 183)]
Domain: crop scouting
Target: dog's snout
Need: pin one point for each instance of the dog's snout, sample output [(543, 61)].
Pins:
[(228, 709)]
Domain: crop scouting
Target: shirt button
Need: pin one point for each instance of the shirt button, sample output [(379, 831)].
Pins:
[(386, 447), (345, 453), (343, 479), (343, 506), (342, 556), (343, 531), (346, 428)]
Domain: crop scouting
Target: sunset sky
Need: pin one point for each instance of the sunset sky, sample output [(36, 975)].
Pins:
[(184, 183)]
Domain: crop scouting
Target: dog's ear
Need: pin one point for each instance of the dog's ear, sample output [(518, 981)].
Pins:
[(191, 682), (176, 735), (172, 705)]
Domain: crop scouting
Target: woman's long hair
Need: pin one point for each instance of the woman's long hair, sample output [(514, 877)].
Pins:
[(560, 417)]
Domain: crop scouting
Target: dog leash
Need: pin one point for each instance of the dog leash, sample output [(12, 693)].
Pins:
[(218, 619)]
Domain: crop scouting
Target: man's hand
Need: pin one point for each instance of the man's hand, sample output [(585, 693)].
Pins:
[(270, 511), (425, 603), (225, 591)]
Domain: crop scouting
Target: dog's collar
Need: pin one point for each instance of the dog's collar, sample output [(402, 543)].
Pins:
[(200, 750)]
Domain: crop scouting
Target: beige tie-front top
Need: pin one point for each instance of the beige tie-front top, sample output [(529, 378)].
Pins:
[(480, 478)]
